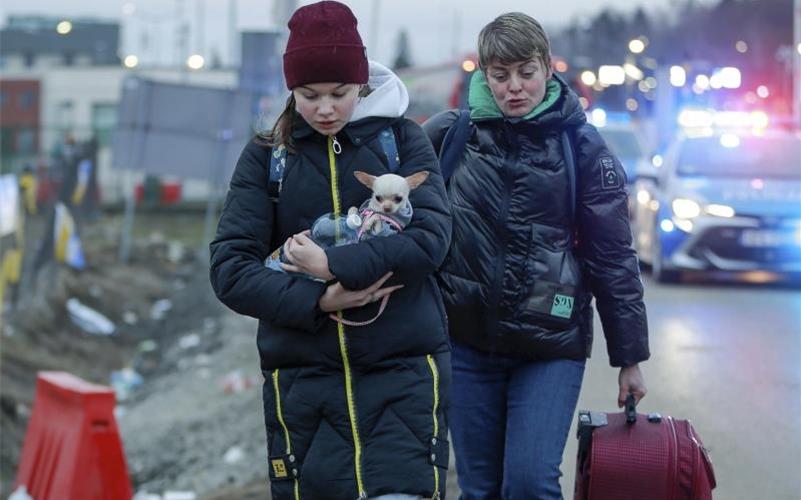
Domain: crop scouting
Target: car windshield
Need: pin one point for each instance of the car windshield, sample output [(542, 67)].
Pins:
[(734, 156), (623, 143)]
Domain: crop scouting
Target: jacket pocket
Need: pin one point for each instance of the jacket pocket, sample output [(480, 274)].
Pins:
[(551, 294)]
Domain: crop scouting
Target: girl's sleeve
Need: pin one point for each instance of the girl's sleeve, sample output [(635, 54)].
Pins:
[(241, 244)]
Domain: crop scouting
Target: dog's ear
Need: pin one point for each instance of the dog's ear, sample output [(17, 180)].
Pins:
[(415, 180), (365, 178)]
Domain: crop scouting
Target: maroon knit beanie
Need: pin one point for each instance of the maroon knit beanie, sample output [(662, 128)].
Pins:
[(324, 46)]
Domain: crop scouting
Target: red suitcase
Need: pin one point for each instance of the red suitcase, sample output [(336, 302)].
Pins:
[(630, 456)]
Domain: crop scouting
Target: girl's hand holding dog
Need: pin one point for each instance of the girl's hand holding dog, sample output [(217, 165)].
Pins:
[(306, 257), (337, 298)]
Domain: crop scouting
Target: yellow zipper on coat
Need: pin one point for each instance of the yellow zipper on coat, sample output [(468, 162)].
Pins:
[(343, 345), (288, 444), (435, 377)]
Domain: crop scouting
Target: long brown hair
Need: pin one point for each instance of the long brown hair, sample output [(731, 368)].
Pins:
[(281, 133)]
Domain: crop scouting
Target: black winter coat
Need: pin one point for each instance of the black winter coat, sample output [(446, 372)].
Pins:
[(348, 411), (522, 270)]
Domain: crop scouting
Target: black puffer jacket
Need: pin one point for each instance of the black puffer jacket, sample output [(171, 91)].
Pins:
[(351, 411), (521, 271)]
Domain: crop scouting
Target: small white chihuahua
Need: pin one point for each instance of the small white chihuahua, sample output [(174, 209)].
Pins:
[(389, 203)]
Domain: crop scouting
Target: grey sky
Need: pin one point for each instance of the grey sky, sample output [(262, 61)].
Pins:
[(437, 28)]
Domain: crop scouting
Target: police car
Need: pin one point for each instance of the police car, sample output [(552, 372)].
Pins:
[(726, 200), (624, 139)]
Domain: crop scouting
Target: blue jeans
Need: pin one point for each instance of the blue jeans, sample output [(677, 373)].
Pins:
[(509, 420)]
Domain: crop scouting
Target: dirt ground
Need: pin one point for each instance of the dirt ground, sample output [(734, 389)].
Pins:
[(200, 390)]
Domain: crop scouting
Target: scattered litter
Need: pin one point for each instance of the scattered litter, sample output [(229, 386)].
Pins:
[(23, 410), (233, 455), (202, 359), (179, 495), (124, 382), (144, 495), (147, 356), (89, 320), (175, 252), (130, 318), (160, 309), (157, 238), (21, 493), (209, 325), (148, 345), (189, 341), (235, 382)]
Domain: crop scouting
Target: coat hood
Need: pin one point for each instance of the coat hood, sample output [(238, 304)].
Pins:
[(388, 98)]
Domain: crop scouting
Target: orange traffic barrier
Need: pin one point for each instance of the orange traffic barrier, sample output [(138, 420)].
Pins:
[(72, 447)]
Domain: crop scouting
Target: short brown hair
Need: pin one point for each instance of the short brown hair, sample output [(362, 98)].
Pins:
[(513, 37)]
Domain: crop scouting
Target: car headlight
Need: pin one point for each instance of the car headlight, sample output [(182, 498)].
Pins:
[(720, 210), (685, 208)]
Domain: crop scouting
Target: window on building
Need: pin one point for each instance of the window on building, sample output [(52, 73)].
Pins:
[(104, 119), (65, 115), (29, 59), (6, 143), (26, 141), (27, 100)]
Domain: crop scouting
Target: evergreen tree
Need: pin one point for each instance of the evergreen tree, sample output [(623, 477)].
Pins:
[(403, 58)]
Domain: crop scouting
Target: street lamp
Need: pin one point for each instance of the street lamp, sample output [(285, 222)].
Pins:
[(636, 46), (195, 61), (702, 81), (64, 27), (588, 78), (633, 71), (611, 75), (678, 77), (131, 61)]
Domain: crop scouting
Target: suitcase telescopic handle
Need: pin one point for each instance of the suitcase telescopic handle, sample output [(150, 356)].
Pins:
[(631, 409)]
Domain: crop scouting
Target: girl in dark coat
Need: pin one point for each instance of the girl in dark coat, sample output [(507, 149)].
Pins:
[(350, 412)]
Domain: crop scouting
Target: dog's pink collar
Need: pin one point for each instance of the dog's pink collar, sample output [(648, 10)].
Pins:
[(367, 213)]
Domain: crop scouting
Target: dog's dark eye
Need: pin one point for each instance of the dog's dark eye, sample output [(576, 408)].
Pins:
[(398, 199), (379, 199)]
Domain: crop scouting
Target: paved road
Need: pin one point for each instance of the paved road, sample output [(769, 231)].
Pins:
[(729, 358)]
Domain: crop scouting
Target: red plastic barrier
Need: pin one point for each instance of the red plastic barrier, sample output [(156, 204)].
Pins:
[(72, 447)]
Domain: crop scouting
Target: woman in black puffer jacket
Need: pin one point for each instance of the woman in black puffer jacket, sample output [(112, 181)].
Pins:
[(534, 239), (350, 412)]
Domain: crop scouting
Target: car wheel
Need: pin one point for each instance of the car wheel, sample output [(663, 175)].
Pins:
[(658, 270)]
